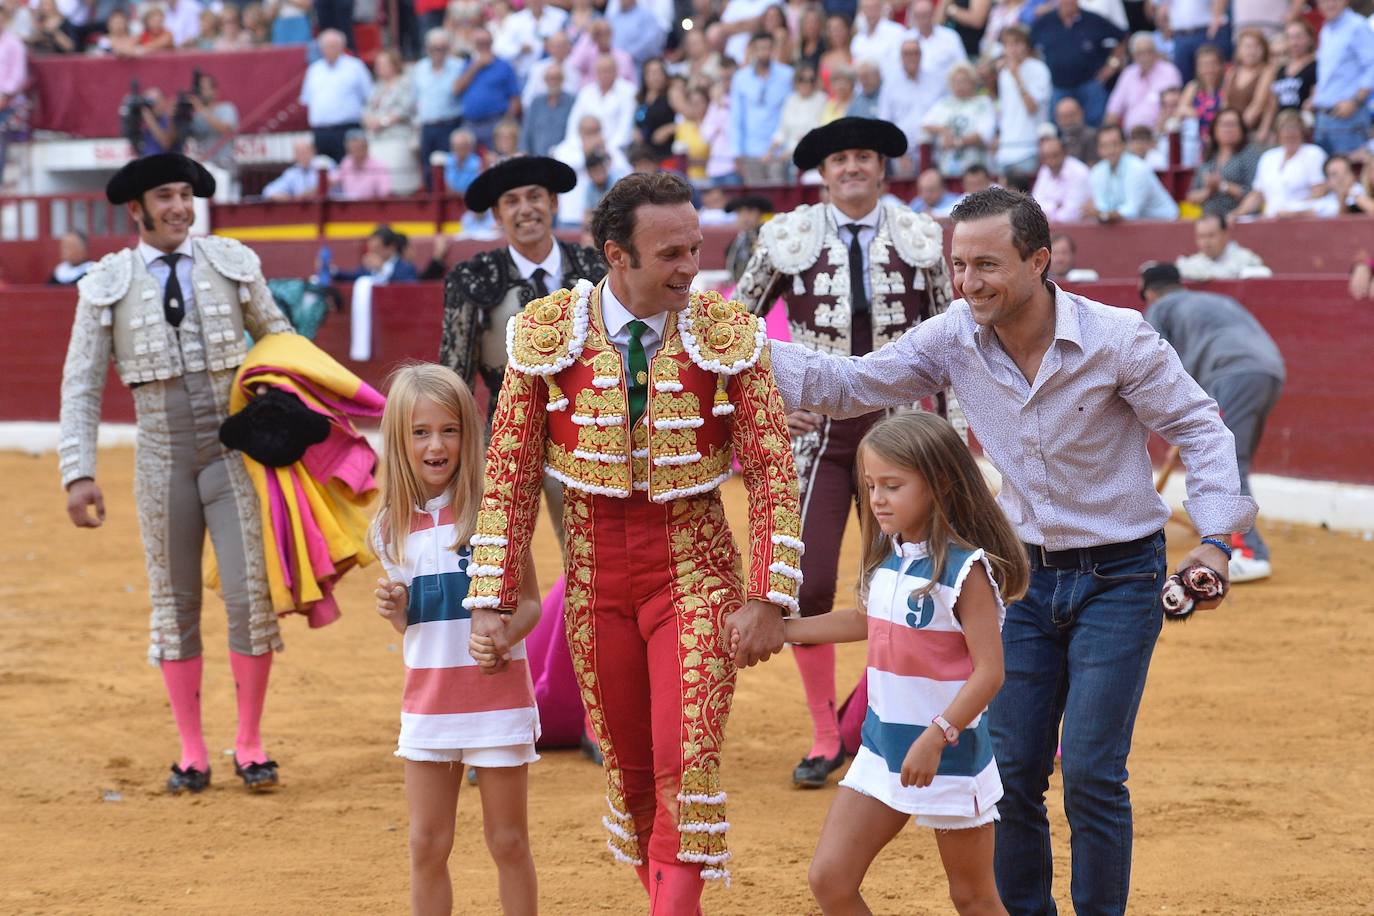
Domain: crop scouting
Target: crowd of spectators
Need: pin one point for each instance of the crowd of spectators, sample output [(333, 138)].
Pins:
[(1254, 95)]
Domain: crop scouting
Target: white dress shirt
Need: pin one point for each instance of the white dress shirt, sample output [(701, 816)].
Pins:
[(869, 221), (614, 109), (880, 46), (941, 50), (552, 264), (161, 272), (906, 101), (335, 94), (617, 318)]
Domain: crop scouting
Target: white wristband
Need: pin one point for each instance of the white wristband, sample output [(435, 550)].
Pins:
[(949, 732)]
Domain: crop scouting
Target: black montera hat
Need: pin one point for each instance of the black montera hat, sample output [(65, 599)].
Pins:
[(750, 201), (274, 429), (518, 172), (883, 137), (156, 170)]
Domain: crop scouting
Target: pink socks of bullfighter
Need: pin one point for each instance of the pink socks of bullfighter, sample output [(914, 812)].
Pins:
[(817, 667), (250, 690), (182, 678)]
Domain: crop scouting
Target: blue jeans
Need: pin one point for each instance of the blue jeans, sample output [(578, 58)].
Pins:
[(1091, 96), (1077, 649), (1341, 136), (1187, 42)]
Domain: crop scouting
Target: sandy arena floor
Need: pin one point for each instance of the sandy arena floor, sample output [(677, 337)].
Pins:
[(1253, 772)]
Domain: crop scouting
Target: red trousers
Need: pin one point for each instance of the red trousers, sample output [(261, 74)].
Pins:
[(649, 587)]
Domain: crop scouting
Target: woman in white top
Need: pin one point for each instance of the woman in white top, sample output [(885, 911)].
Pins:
[(961, 124), (801, 114), (1289, 177)]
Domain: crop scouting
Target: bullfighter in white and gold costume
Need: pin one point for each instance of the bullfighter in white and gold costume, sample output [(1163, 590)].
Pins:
[(637, 402), (172, 313)]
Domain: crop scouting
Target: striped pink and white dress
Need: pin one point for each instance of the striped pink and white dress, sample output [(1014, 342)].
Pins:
[(917, 663), (449, 703)]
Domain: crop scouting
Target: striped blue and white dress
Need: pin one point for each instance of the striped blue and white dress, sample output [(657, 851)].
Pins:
[(449, 703), (917, 663)]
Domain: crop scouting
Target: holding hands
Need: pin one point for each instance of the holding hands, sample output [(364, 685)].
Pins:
[(490, 643), (754, 633)]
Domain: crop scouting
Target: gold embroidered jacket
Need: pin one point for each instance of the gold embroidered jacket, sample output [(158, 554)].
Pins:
[(563, 410)]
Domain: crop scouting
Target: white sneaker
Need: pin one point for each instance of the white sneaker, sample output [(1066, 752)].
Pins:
[(1249, 569)]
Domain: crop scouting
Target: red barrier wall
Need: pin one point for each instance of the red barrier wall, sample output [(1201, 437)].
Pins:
[(1320, 429), (81, 95)]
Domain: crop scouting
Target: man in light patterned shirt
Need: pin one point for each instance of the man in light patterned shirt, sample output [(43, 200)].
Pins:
[(1063, 393)]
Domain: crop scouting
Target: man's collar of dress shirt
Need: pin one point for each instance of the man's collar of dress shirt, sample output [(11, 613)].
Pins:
[(1066, 325), (617, 316), (552, 265), (149, 254), (869, 220)]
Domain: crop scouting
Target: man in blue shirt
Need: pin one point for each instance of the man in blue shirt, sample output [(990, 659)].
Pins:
[(488, 89), (1345, 78), (1124, 187), (462, 165), (1082, 50), (437, 106), (546, 120), (756, 97), (636, 32)]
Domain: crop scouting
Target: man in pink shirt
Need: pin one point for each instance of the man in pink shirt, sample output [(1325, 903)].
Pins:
[(359, 176), (1062, 188), (595, 42), (1135, 100)]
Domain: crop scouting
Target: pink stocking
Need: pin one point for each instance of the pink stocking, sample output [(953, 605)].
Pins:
[(250, 687), (551, 669), (182, 678), (817, 667), (674, 889)]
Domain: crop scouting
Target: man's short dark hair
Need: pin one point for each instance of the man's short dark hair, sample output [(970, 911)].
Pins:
[(614, 218), (1338, 157), (1156, 275), (1111, 129), (1221, 219), (760, 35), (1073, 246), (976, 169), (1030, 230)]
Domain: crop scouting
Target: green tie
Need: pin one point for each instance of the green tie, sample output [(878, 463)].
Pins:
[(639, 372)]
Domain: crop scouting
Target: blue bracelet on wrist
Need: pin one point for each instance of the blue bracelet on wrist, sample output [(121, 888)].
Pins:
[(1219, 544)]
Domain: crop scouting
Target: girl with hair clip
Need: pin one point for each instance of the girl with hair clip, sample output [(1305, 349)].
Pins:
[(468, 697), (939, 561)]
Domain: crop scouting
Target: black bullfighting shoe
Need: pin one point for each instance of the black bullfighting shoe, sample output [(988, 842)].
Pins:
[(257, 776), (188, 780), (813, 772)]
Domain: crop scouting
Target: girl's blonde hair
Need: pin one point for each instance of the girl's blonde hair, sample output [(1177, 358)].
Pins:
[(963, 510), (399, 479)]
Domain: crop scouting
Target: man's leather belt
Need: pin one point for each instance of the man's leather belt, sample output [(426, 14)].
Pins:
[(1085, 557)]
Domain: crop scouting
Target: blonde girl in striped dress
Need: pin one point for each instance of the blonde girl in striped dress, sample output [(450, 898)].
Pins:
[(940, 559), (465, 702)]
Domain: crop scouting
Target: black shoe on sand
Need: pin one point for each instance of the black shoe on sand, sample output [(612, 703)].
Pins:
[(814, 772), (188, 780), (257, 776)]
